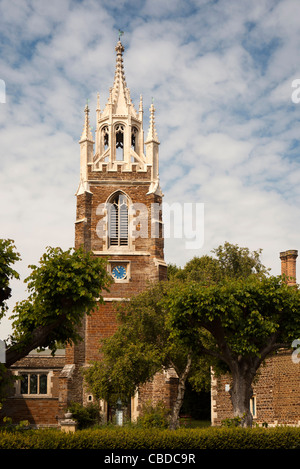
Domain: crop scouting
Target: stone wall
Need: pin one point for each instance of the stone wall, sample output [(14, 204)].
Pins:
[(276, 392)]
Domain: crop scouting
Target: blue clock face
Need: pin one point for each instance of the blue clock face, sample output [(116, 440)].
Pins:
[(119, 272)]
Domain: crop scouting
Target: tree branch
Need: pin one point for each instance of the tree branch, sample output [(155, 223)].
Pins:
[(38, 338)]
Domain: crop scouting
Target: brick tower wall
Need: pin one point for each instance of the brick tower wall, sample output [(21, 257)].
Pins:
[(145, 256)]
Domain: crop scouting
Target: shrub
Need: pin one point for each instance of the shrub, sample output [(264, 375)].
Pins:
[(234, 422), (118, 438), (154, 416), (10, 427), (85, 416)]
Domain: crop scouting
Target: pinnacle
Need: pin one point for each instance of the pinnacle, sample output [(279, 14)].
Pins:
[(119, 80), (152, 134), (119, 96), (86, 133)]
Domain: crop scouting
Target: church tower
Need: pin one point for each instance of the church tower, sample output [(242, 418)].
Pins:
[(118, 213)]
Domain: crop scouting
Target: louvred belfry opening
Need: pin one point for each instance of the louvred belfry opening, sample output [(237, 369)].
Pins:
[(118, 221)]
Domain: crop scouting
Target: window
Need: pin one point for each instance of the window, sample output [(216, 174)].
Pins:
[(253, 406), (105, 136), (34, 383), (118, 220), (119, 142), (134, 136)]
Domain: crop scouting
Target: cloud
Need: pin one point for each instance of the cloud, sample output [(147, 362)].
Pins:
[(220, 73)]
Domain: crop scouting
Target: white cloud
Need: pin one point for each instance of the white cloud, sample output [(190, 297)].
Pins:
[(221, 75)]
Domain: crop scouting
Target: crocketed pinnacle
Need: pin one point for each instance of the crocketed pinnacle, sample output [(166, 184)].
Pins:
[(152, 135), (86, 133)]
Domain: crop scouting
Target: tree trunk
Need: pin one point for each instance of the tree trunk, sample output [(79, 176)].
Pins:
[(174, 420), (241, 393)]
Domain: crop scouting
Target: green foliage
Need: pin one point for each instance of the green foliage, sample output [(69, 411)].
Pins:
[(246, 313), (142, 345), (85, 416), (234, 422), (154, 416), (8, 257), (120, 371), (6, 382), (203, 270), (161, 327), (10, 427), (154, 439), (239, 262), (250, 313), (229, 262), (64, 286)]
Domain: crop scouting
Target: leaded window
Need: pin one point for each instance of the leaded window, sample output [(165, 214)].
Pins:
[(118, 220), (34, 383)]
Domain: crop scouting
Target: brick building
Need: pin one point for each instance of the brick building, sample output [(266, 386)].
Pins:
[(118, 217)]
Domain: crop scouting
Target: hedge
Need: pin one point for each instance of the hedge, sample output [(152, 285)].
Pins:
[(137, 439)]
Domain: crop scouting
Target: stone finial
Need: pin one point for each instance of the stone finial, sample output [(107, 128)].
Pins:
[(152, 134), (86, 133), (119, 48), (141, 104), (68, 425), (98, 110)]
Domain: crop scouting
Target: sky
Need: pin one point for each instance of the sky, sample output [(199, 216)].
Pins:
[(222, 75)]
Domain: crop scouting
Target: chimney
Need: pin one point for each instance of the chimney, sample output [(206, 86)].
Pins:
[(288, 265)]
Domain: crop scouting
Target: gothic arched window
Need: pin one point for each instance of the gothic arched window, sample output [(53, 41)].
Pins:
[(118, 220)]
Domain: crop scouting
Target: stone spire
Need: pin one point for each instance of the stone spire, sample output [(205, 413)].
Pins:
[(119, 97)]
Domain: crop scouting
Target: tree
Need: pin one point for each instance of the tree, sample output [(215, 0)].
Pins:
[(145, 340), (62, 288), (230, 261), (248, 318), (8, 256), (142, 346)]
